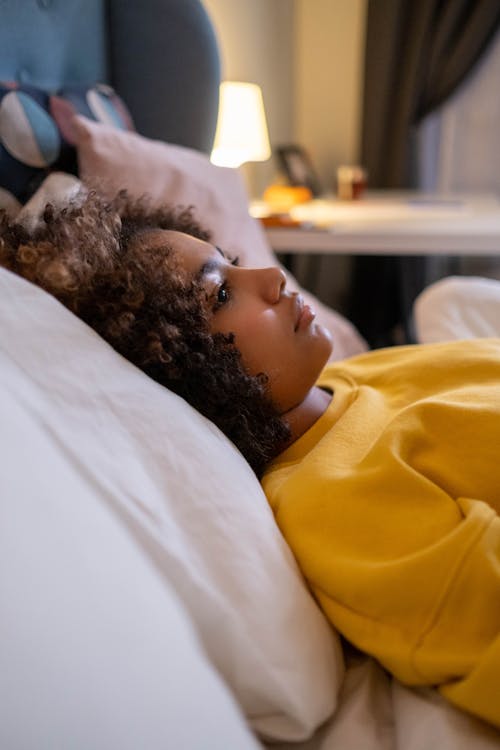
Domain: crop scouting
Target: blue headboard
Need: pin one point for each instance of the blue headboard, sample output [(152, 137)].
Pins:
[(161, 56)]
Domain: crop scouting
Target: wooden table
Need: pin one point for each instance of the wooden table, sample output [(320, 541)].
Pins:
[(391, 223)]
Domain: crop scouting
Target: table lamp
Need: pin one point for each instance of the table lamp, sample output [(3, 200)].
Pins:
[(241, 134)]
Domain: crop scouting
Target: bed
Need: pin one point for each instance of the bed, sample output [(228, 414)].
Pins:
[(148, 599)]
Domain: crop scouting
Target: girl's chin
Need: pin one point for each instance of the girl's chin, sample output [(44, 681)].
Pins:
[(326, 336)]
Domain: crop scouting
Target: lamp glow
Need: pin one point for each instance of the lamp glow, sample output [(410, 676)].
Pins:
[(241, 133)]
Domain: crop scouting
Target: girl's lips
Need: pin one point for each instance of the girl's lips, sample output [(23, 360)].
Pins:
[(306, 317), (305, 314)]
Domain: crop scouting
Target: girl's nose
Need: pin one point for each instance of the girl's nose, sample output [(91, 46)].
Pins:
[(273, 282)]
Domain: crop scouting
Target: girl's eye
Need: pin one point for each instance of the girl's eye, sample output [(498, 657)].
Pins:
[(222, 296)]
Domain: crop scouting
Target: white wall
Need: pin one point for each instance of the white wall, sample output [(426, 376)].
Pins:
[(328, 77), (256, 45)]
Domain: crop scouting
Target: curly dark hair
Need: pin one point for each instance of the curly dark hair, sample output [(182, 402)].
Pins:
[(94, 257)]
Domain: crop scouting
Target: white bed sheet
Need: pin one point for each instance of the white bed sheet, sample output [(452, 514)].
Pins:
[(376, 712)]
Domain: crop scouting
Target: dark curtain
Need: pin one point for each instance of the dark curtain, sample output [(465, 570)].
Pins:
[(417, 52)]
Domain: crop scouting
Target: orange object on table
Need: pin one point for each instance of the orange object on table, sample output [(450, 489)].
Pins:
[(280, 198)]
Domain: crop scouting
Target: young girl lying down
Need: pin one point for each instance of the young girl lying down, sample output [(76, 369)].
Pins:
[(383, 471)]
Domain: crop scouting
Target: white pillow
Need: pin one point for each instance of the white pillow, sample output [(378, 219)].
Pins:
[(458, 307), (187, 498), (115, 159), (96, 651)]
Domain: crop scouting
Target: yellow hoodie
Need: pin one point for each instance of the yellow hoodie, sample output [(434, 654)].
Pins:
[(389, 503)]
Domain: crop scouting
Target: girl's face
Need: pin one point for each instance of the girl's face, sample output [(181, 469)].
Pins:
[(273, 329)]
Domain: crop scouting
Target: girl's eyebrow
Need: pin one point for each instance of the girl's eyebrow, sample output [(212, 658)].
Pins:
[(208, 266), (212, 264)]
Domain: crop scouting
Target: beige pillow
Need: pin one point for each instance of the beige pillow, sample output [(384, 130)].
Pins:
[(114, 159)]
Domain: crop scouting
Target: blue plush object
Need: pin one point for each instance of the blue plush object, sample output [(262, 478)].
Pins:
[(35, 132), (161, 57)]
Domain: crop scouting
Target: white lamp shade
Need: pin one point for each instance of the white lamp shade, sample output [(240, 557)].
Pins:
[(241, 133)]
